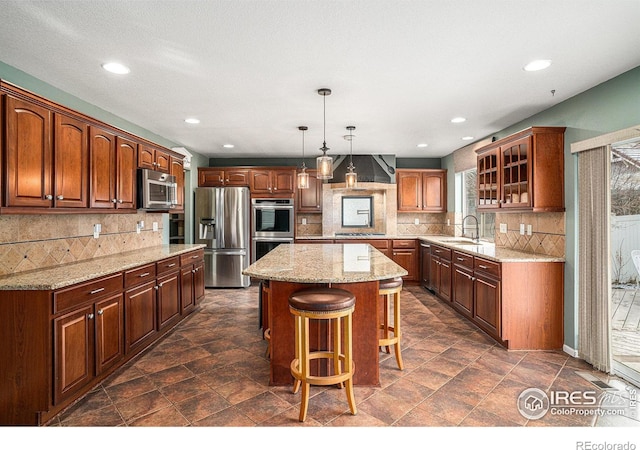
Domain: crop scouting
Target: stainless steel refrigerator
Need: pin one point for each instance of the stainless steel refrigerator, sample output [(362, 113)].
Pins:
[(222, 224)]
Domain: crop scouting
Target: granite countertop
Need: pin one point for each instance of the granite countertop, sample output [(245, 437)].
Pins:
[(324, 263), (485, 249), (57, 277)]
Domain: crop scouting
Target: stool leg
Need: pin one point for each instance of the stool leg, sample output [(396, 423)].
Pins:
[(337, 348), (349, 364), (304, 361), (297, 347), (396, 330)]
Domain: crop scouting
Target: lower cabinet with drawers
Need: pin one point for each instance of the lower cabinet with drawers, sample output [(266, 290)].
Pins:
[(57, 345)]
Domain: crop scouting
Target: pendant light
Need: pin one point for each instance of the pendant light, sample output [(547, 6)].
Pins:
[(303, 176), (351, 178), (324, 163)]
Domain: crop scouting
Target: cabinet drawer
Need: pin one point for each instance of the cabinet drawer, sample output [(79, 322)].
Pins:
[(462, 259), (404, 243), (168, 264), (70, 297), (139, 275), (442, 252), (192, 257), (486, 266)]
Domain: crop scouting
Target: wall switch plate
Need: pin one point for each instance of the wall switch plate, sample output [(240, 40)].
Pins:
[(97, 228), (529, 230), (503, 228), (155, 226), (304, 221), (416, 221), (448, 222), (522, 229)]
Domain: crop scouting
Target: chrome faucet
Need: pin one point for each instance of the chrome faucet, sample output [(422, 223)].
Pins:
[(477, 235)]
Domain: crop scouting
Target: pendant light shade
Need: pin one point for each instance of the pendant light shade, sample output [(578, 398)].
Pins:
[(324, 163), (303, 176), (351, 177)]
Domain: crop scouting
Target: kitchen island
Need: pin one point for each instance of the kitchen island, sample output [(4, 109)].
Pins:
[(357, 268)]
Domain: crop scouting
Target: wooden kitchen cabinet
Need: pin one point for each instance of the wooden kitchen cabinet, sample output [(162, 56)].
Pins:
[(154, 158), (522, 172), (141, 307), (177, 170), (218, 176), (405, 254), (462, 296), (441, 272), (272, 181), (310, 200), (168, 299), (422, 190), (487, 301), (425, 265), (113, 170), (192, 288)]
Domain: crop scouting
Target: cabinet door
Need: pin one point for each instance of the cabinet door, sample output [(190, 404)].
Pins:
[(260, 181), (125, 173), (462, 290), (109, 323), (407, 258), (163, 161), (446, 273), (208, 177), (236, 177), (102, 163), (434, 191), (168, 300), (487, 304), (283, 181), (409, 190), (177, 170), (140, 315), (187, 292), (488, 180), (198, 281), (516, 174), (310, 200), (146, 157), (71, 162), (28, 154), (74, 352), (434, 274)]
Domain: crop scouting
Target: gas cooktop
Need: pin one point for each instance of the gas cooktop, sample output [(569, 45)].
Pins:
[(359, 234)]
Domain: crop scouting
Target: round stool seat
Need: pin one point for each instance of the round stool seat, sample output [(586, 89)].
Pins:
[(322, 299), (390, 283)]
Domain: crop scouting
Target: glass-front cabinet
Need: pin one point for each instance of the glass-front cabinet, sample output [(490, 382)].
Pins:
[(488, 179), (516, 173)]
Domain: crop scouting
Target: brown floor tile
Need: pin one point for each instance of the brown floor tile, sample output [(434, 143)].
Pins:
[(165, 417), (229, 417), (134, 408), (130, 389), (386, 407), (108, 416), (185, 389), (202, 405), (263, 406), (240, 390)]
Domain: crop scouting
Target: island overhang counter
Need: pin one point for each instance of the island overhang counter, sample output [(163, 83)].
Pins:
[(357, 268)]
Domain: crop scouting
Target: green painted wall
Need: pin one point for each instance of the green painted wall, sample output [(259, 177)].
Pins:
[(610, 106)]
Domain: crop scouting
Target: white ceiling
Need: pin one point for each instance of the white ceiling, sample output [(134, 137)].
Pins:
[(250, 69)]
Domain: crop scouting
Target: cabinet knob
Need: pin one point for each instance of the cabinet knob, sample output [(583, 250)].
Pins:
[(113, 200), (90, 316), (193, 270), (156, 287), (60, 197), (120, 201), (48, 197), (100, 312)]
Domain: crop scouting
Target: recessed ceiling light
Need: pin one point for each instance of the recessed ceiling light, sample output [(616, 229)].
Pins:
[(467, 138), (192, 120), (538, 64), (115, 67), (228, 145), (458, 120), (422, 145)]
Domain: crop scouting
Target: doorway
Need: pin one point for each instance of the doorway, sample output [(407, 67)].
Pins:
[(625, 259)]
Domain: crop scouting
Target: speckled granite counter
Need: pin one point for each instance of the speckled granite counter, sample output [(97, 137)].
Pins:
[(325, 263), (69, 274)]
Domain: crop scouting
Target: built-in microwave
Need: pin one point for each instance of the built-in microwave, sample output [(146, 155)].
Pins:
[(156, 190)]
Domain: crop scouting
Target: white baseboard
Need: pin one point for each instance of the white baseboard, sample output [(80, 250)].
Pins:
[(570, 351)]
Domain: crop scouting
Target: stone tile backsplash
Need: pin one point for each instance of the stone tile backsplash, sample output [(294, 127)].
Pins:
[(29, 242), (547, 237)]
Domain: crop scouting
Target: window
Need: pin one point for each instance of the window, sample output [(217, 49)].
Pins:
[(466, 204)]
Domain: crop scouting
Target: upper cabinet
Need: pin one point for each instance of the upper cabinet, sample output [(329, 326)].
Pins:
[(55, 159), (523, 172), (272, 181), (177, 170), (154, 158), (222, 176), (422, 190), (310, 200)]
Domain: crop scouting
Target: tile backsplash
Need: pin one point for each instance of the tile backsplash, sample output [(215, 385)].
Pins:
[(29, 242), (547, 237)]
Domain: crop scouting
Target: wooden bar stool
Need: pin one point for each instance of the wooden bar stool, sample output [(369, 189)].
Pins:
[(335, 306), (390, 290)]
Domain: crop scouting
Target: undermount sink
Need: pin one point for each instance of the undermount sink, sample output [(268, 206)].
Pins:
[(461, 242)]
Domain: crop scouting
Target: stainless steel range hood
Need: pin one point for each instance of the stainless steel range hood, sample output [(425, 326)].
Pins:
[(370, 168)]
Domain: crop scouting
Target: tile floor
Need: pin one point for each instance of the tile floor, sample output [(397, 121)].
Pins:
[(211, 372)]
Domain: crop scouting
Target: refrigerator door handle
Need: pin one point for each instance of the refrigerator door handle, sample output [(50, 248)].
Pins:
[(233, 251)]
